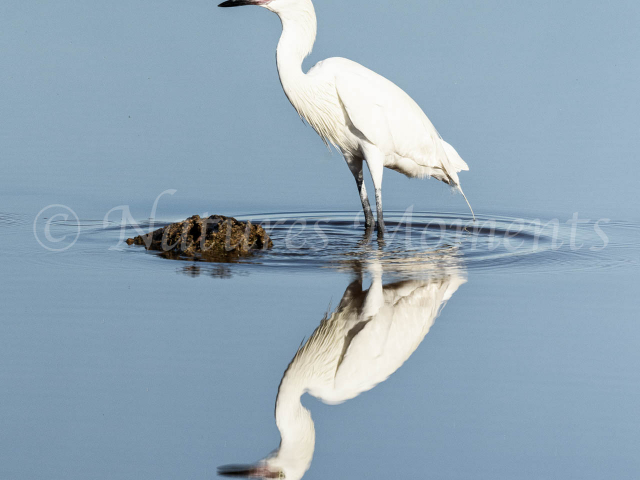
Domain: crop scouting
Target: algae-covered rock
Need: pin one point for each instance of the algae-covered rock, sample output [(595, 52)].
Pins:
[(214, 239)]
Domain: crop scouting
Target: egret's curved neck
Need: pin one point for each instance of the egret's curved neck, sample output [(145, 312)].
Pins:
[(297, 432), (299, 27)]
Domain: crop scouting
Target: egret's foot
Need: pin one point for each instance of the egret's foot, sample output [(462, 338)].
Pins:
[(366, 238), (369, 220), (381, 228), (369, 223)]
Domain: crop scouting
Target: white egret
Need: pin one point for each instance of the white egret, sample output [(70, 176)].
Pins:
[(364, 115), (369, 336)]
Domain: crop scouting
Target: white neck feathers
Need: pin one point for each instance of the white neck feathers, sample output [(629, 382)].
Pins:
[(299, 27), (297, 432)]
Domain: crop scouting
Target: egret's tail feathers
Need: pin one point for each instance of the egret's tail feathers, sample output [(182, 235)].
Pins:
[(451, 164), (456, 164), (465, 199), (455, 160)]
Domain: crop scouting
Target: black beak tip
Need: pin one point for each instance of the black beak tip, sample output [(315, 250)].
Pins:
[(244, 471), (236, 3)]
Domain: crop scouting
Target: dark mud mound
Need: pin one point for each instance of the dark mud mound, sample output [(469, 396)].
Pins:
[(213, 239)]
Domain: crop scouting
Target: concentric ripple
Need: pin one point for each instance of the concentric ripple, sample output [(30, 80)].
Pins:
[(420, 241), (414, 242), (9, 220)]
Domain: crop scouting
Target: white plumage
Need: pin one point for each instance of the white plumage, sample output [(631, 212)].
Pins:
[(364, 115), (369, 336)]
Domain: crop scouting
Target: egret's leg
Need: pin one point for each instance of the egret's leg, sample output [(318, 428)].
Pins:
[(355, 165), (375, 161)]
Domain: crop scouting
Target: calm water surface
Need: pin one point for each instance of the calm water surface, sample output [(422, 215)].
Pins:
[(524, 360), (512, 348)]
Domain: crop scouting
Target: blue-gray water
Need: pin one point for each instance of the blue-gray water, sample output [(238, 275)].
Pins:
[(118, 364)]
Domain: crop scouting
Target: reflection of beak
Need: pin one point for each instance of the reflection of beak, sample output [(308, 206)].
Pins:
[(247, 471), (239, 3)]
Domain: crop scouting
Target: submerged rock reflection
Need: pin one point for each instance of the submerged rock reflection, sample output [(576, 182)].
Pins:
[(217, 271), (367, 338)]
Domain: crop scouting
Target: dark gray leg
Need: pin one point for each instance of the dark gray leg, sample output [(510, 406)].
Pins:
[(375, 161), (381, 227), (355, 165)]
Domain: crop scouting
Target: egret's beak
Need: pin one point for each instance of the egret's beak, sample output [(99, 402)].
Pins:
[(239, 3)]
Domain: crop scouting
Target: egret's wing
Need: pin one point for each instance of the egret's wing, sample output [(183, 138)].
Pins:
[(383, 114), (389, 338)]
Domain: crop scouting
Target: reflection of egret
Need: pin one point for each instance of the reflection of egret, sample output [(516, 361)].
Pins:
[(368, 337)]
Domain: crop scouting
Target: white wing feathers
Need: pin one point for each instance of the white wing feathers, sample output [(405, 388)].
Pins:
[(393, 334), (385, 116)]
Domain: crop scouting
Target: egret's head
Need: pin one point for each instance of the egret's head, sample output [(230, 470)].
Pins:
[(268, 468), (293, 458)]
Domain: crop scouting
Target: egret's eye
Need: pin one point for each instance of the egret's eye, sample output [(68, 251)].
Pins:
[(281, 474)]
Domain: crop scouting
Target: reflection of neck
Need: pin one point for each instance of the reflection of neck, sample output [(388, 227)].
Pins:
[(374, 299), (296, 428)]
